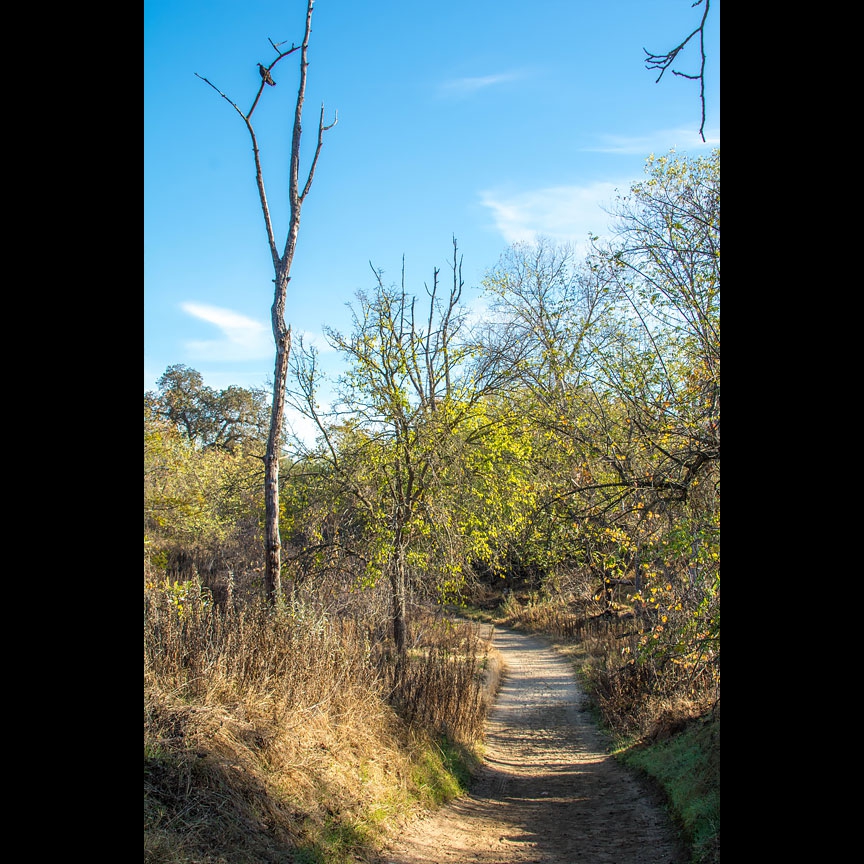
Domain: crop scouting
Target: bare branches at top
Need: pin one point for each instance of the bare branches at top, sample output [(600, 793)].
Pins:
[(665, 61), (266, 78), (282, 263)]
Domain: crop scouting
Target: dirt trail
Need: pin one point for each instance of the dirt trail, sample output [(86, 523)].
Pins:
[(548, 792)]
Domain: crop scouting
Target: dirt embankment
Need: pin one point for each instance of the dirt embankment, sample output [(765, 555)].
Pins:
[(548, 792)]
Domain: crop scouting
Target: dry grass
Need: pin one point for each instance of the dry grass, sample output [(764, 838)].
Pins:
[(440, 689), (272, 735)]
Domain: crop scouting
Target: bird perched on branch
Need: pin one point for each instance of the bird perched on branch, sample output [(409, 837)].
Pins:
[(265, 74)]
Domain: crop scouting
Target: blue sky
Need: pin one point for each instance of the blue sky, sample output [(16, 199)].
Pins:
[(493, 121)]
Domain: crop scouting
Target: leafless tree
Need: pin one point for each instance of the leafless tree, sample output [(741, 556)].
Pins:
[(282, 269)]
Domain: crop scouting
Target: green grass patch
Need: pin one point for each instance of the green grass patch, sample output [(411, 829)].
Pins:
[(443, 771), (687, 766), (335, 843)]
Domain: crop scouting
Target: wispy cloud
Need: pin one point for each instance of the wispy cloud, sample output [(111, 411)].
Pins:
[(660, 142), (242, 338), (563, 214), (468, 86)]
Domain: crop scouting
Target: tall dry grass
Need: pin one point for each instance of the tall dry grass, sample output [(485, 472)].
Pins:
[(271, 732), (448, 683)]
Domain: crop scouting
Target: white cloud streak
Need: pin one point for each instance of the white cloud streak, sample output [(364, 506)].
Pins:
[(242, 338), (468, 86), (568, 214), (659, 143), (563, 214)]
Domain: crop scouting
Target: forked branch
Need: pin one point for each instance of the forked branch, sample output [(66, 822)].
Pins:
[(665, 61)]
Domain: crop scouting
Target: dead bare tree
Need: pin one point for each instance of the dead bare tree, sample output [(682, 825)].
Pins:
[(282, 270), (665, 61)]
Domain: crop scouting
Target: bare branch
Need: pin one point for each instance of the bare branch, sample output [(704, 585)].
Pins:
[(321, 130), (276, 45), (232, 104), (259, 177), (267, 69), (665, 61)]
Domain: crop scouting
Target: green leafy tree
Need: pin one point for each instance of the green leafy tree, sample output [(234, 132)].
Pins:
[(411, 384), (664, 265), (660, 411), (617, 362), (211, 419), (199, 502), (556, 316)]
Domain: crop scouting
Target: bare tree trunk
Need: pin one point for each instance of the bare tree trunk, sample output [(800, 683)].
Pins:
[(272, 540), (399, 588), (399, 611), (282, 269), (398, 584)]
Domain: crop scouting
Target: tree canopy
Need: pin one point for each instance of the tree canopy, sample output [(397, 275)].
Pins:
[(569, 439)]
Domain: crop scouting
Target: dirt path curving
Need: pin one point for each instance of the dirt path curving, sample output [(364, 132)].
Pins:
[(548, 792)]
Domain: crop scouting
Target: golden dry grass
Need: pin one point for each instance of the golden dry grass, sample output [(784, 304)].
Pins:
[(277, 735)]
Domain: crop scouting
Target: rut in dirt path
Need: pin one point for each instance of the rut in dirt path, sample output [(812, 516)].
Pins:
[(548, 792)]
